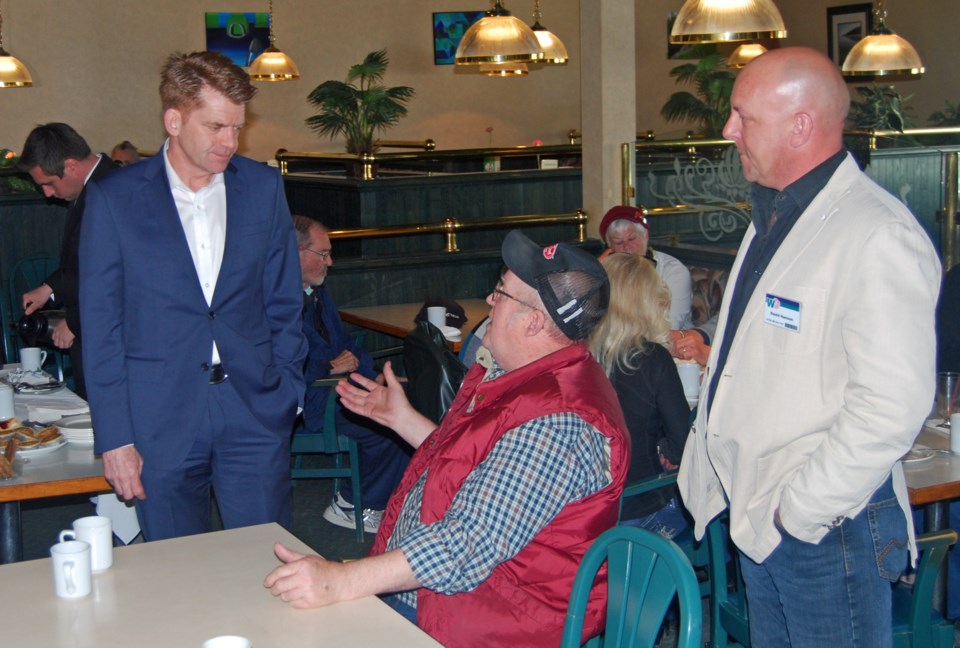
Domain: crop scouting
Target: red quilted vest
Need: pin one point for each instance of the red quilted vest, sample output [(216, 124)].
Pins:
[(524, 601)]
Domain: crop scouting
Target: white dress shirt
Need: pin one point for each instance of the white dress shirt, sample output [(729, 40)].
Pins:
[(203, 215)]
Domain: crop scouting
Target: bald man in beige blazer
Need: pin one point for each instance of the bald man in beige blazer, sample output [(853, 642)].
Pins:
[(822, 370)]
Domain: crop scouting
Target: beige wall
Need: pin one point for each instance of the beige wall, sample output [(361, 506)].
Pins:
[(95, 66)]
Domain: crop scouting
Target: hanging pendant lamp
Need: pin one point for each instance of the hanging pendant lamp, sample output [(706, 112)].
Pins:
[(553, 49), (722, 21), (513, 69), (498, 37), (882, 53), (272, 64), (13, 73), (744, 54)]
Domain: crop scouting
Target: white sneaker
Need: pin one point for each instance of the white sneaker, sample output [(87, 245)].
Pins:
[(340, 512)]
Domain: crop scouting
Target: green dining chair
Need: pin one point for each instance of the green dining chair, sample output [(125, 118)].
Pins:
[(328, 442), (645, 573), (729, 625), (916, 624)]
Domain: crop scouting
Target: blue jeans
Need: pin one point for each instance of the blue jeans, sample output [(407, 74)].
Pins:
[(667, 522), (835, 593)]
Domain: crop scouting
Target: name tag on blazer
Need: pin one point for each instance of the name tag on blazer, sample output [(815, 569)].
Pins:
[(781, 312)]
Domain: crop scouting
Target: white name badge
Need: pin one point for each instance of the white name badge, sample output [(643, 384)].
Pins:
[(782, 312)]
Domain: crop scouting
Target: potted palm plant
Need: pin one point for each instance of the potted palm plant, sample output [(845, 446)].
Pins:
[(713, 82), (359, 110)]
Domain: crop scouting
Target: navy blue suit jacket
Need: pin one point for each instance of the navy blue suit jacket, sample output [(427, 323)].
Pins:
[(322, 351), (148, 331)]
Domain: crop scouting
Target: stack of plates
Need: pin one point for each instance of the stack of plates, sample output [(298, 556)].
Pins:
[(77, 429)]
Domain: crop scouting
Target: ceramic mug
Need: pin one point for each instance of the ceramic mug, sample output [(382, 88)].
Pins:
[(32, 358), (955, 433), (6, 402), (71, 568), (97, 531), (437, 315)]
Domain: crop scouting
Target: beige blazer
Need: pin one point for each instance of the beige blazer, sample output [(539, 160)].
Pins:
[(813, 421)]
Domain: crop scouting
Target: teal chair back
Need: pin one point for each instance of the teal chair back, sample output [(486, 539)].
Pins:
[(645, 573), (916, 624), (730, 625), (328, 442)]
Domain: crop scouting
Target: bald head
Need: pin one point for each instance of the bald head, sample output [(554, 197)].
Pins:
[(788, 110)]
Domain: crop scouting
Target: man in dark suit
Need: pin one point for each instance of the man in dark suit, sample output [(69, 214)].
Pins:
[(332, 352), (61, 163), (190, 300)]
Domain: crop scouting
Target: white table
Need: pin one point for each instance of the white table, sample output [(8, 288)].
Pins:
[(178, 593)]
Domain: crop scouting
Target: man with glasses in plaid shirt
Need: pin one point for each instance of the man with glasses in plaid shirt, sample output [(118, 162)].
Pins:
[(481, 541)]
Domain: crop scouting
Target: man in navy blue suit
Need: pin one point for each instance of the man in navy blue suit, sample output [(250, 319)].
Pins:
[(383, 455), (190, 305)]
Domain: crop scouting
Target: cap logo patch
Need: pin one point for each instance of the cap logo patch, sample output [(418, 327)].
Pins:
[(550, 251)]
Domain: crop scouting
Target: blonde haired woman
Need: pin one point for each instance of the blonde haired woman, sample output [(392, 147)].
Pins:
[(631, 343)]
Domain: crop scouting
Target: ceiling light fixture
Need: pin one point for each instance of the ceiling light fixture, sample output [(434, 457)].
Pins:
[(13, 73), (513, 69), (722, 21), (272, 64), (553, 48), (744, 54), (498, 37), (882, 53)]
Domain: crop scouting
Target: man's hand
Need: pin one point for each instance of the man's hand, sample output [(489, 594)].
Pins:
[(305, 581), (36, 298), (689, 345), (344, 363), (386, 404), (121, 467), (62, 336)]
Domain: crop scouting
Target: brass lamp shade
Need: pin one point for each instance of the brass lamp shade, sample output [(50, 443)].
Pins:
[(273, 65), (722, 21), (13, 73), (744, 54), (553, 48), (517, 68), (882, 55), (498, 37)]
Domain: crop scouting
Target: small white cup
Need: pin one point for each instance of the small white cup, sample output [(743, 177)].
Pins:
[(6, 402), (955, 433), (227, 641), (97, 531), (71, 569), (437, 315), (690, 379), (32, 358)]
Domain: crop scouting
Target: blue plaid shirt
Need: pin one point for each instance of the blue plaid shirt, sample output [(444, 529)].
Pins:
[(530, 474)]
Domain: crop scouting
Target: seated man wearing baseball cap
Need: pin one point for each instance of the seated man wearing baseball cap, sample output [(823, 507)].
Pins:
[(481, 540)]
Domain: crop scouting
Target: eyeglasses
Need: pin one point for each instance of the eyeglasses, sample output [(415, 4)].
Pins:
[(323, 254), (499, 292)]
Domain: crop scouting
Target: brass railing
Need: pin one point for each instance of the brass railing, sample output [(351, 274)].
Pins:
[(449, 227), (427, 144)]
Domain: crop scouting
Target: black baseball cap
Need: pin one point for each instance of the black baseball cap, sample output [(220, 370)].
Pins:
[(572, 284)]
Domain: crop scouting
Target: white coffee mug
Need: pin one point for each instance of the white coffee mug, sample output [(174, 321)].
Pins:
[(437, 315), (955, 433), (6, 402), (97, 531), (71, 568), (690, 379), (32, 358), (227, 641)]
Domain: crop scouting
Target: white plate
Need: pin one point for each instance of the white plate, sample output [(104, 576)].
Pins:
[(37, 451), (918, 453), (938, 424), (76, 423), (80, 441)]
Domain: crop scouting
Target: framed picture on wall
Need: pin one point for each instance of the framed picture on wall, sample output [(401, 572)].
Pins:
[(448, 28), (846, 25), (240, 36)]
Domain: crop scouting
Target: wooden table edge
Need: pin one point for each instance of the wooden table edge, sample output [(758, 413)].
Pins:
[(34, 490)]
